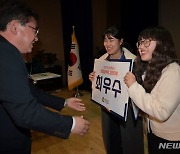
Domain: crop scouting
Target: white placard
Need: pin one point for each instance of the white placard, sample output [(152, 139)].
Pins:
[(108, 87)]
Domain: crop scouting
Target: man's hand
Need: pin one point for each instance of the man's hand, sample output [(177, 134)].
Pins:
[(81, 126), (76, 104)]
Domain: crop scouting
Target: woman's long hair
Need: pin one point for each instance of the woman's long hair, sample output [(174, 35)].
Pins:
[(163, 55)]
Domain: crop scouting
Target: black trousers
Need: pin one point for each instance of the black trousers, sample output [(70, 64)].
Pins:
[(111, 133), (157, 145), (122, 137)]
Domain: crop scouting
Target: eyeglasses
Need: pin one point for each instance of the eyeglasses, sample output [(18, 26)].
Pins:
[(36, 30), (146, 43)]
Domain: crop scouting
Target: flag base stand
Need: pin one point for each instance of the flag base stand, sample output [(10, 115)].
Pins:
[(77, 94)]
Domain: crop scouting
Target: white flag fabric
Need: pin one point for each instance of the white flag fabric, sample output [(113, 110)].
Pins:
[(74, 68)]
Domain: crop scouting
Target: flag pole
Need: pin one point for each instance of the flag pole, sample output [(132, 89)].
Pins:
[(77, 94), (73, 28)]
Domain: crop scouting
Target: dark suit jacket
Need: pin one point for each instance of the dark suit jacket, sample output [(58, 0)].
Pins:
[(21, 103)]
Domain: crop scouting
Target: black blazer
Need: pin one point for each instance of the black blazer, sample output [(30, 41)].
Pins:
[(21, 103)]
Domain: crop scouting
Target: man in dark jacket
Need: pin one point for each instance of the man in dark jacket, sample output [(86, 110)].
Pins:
[(21, 104)]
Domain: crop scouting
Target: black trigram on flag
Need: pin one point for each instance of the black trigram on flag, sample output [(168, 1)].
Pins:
[(70, 72), (72, 46), (79, 67)]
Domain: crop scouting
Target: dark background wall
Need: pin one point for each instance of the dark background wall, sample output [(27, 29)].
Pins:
[(51, 32), (79, 14), (137, 15), (91, 18)]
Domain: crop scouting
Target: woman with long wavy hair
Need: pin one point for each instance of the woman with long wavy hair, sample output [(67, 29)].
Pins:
[(154, 87)]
